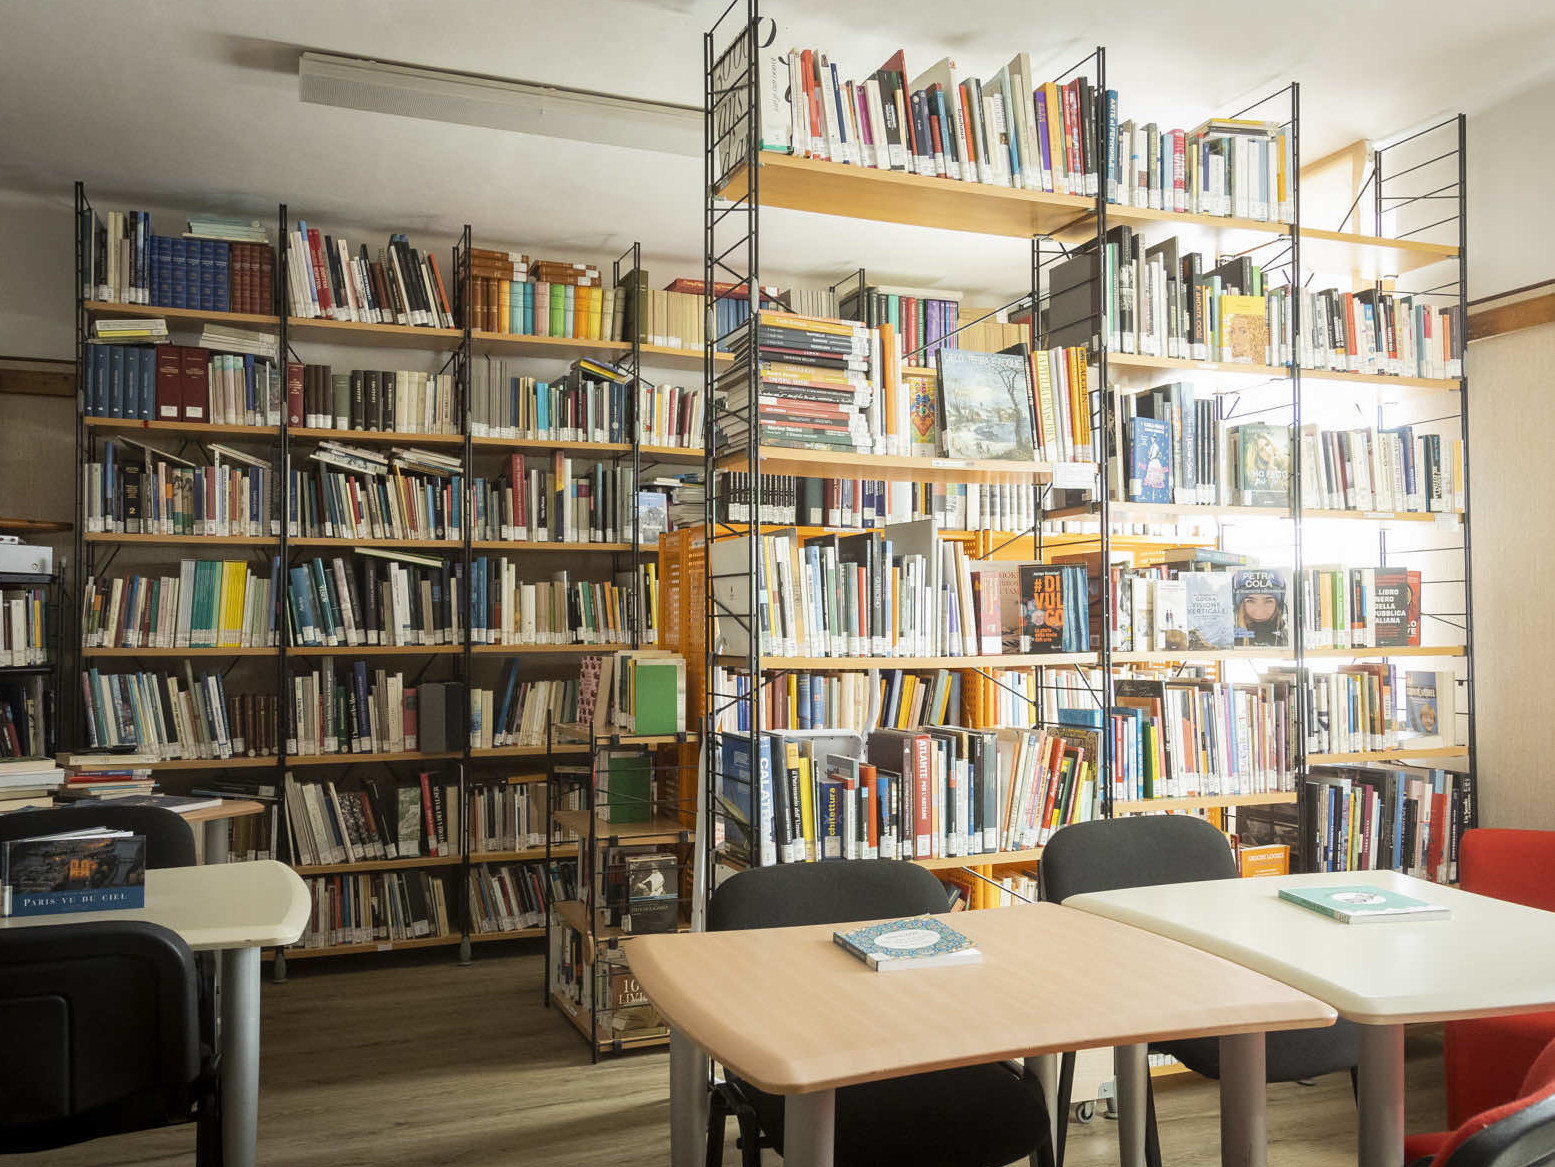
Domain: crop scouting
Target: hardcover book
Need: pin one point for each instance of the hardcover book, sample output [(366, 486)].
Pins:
[(1150, 471), (917, 942), (985, 405), (1362, 905), (1259, 597), (653, 893), (1263, 453), (1210, 610), (82, 871)]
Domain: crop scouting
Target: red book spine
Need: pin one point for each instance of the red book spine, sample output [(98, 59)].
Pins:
[(428, 823), (170, 382), (871, 807), (923, 800), (196, 385), (320, 275)]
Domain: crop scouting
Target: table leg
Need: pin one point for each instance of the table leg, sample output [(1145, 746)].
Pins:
[(1243, 1095), (1131, 1066), (215, 848), (809, 1129), (1381, 1096), (688, 1101), (1041, 1071), (239, 1055)]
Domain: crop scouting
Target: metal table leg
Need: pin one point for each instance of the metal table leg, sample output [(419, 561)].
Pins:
[(239, 1055), (215, 832), (809, 1129), (1243, 1097), (1042, 1072), (1381, 1096), (688, 1101), (1131, 1064)]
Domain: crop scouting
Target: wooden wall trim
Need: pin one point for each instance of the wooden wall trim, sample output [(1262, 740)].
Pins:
[(1498, 319), (37, 377)]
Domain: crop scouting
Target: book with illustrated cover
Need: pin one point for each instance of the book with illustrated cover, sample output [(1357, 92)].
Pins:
[(1429, 708), (985, 405), (1244, 330), (1171, 615), (80, 871), (1263, 464), (1042, 608), (1210, 610), (652, 893), (916, 942), (1150, 460), (1362, 904), (1261, 608)]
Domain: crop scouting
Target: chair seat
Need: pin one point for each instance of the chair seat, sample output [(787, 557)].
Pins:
[(1289, 1054), (1424, 1146), (1487, 1057), (979, 1116)]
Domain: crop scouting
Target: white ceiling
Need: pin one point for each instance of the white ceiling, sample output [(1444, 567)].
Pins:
[(193, 104)]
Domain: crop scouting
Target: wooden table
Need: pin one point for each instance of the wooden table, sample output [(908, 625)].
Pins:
[(793, 1014), (215, 820), (234, 909), (1490, 957)]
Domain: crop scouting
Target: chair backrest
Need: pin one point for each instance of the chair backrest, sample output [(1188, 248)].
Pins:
[(1509, 865), (1141, 851), (100, 1028), (169, 840), (1520, 1133), (824, 893)]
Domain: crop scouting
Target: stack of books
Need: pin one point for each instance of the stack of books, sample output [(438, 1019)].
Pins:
[(28, 782), (811, 389)]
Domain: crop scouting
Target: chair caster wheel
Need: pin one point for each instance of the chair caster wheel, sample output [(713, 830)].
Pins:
[(1085, 1112)]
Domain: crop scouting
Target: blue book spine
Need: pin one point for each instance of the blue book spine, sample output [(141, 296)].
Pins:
[(147, 362), (89, 399), (115, 380), (364, 731), (737, 793), (221, 289), (251, 402), (766, 826), (97, 899), (207, 276), (806, 687)]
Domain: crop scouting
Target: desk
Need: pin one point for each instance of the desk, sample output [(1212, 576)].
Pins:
[(1490, 957), (792, 1013), (233, 908), (215, 820)]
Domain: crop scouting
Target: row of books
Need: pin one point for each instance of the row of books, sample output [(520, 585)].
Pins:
[(126, 263), (1371, 706), (374, 909), (1013, 405), (150, 492), (519, 712), (512, 610), (1361, 607), (900, 591), (382, 598), (1399, 818), (1381, 470), (25, 626), (1371, 331), (166, 718), (540, 499), (326, 279), (860, 702), (1024, 697), (340, 823), (925, 319), (1227, 166), (28, 713), (1187, 737), (172, 382), (508, 897), (355, 493), (208, 604), (402, 401), (864, 503), (511, 815), (354, 710)]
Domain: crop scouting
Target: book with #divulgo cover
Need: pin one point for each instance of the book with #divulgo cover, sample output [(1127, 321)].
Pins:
[(80, 871), (916, 942), (1361, 904), (985, 405)]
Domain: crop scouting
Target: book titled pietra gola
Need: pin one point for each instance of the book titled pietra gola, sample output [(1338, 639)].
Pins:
[(81, 871)]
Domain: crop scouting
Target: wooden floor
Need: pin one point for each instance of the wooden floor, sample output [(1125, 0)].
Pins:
[(422, 1062)]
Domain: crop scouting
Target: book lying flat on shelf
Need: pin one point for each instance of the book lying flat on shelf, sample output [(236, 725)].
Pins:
[(1362, 904), (917, 942), (79, 871)]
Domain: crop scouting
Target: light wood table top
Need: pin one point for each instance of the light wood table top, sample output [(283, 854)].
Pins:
[(1490, 957), (218, 906), (230, 808), (791, 1012)]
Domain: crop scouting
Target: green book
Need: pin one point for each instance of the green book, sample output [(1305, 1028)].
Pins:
[(558, 309), (1362, 904), (629, 788), (656, 689), (202, 621)]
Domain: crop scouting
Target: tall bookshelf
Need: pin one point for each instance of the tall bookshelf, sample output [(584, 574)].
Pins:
[(1406, 247), (453, 351)]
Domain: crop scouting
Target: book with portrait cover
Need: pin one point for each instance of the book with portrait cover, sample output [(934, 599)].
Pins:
[(1150, 460), (80, 871), (1430, 708), (1259, 597), (1244, 330), (1263, 465), (1042, 608), (985, 405)]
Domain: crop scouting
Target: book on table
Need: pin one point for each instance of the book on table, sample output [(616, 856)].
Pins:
[(916, 942), (77, 871), (1362, 904)]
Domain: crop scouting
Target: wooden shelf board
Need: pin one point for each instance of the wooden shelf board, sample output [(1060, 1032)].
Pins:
[(1401, 754), (182, 540), (1204, 801), (1134, 362), (179, 652), (372, 437), (1125, 213), (673, 453), (838, 663), (1282, 654), (1368, 256), (519, 934), (1149, 512), (580, 733), (561, 347), (630, 1040), (684, 358), (268, 762), (376, 650), (988, 859), (551, 445), (1383, 516), (1449, 385), (35, 526), (540, 649), (893, 196), (269, 432), (387, 335), (892, 467), (404, 544), (527, 855), (1402, 650), (103, 308), (354, 759), (660, 827), (377, 865), (374, 946), (525, 751), (521, 545)]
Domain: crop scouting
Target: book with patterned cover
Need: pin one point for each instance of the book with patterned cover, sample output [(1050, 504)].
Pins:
[(916, 942)]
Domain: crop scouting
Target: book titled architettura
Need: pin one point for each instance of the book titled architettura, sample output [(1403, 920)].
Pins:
[(916, 942)]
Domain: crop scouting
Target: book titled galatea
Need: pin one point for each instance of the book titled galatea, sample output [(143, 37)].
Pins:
[(916, 942), (1362, 904), (81, 871)]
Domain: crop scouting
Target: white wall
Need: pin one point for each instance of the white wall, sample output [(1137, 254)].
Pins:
[(1511, 173)]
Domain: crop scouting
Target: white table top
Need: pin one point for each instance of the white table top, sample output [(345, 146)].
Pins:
[(1489, 957), (223, 905)]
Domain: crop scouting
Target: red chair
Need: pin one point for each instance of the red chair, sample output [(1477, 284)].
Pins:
[(1487, 1058), (1519, 1133)]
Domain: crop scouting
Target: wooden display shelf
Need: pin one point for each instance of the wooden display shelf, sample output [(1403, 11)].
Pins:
[(377, 865), (373, 437), (662, 828), (1368, 257), (893, 196), (353, 759), (890, 467), (375, 650), (35, 526), (182, 540), (536, 649), (854, 663), (372, 946), (513, 934), (386, 335), (211, 429), (244, 763), (1204, 802), (672, 453), (563, 348), (181, 653), (551, 445), (641, 1039), (482, 752), (520, 545), (1400, 650), (1138, 363), (987, 859), (1125, 213), (1283, 654), (1400, 754), (193, 315), (1151, 512), (1385, 380), (527, 855), (580, 733), (401, 544), (574, 914)]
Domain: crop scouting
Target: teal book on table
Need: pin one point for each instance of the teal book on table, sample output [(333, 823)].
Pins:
[(916, 942), (1362, 904)]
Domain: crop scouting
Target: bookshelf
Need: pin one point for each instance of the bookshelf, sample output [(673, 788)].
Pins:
[(1401, 252), (468, 773)]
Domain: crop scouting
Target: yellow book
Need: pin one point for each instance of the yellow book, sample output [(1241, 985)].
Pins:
[(596, 313), (233, 577), (909, 695), (1244, 330), (504, 306), (1055, 122), (791, 684), (806, 809), (1047, 414)]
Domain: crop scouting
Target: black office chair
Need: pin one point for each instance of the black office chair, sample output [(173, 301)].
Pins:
[(977, 1116), (1143, 851), (102, 1036), (169, 839)]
